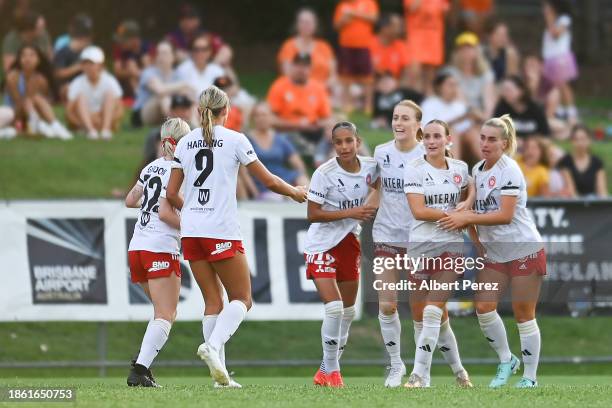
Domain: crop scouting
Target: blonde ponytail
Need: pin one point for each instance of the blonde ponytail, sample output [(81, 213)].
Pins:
[(212, 102), (508, 131), (171, 132)]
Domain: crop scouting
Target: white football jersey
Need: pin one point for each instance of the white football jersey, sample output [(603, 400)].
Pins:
[(392, 223), (150, 233), (505, 178), (336, 189), (442, 190), (210, 209)]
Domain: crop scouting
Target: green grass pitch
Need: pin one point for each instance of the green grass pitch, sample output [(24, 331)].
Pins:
[(557, 391)]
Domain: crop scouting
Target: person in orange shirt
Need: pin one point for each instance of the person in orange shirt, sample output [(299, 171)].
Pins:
[(425, 31), (474, 15), (354, 20), (535, 167), (323, 67), (301, 104), (389, 53)]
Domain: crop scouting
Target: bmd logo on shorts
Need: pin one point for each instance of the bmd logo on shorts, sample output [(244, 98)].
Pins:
[(159, 266), (221, 247), (203, 196)]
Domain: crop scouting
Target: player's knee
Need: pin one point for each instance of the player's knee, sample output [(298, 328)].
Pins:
[(485, 307), (387, 308)]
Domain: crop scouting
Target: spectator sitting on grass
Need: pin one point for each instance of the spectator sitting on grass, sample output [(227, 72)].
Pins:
[(275, 151), (301, 105), (29, 90), (7, 114), (131, 54), (67, 61), (29, 30), (94, 97), (583, 172), (158, 83), (199, 71)]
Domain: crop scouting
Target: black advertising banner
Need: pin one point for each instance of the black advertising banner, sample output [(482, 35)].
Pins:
[(66, 260)]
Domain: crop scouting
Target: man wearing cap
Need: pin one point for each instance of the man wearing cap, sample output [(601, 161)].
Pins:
[(94, 97), (300, 104), (67, 61), (131, 54)]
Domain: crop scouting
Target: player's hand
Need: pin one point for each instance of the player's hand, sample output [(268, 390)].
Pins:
[(454, 221), (463, 205), (363, 213), (299, 194)]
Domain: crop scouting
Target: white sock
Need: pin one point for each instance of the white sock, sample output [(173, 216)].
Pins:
[(447, 344), (493, 328), (153, 340), (227, 323), (391, 330), (330, 335), (531, 341), (348, 314), (208, 325), (418, 328), (432, 317)]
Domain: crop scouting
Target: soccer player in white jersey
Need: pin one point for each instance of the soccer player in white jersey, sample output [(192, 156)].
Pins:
[(337, 202), (434, 185), (392, 224), (513, 246), (154, 250), (207, 160)]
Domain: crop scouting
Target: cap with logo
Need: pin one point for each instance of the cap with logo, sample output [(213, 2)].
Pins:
[(92, 53)]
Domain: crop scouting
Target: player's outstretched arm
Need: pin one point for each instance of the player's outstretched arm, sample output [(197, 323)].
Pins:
[(132, 200), (275, 183), (503, 216)]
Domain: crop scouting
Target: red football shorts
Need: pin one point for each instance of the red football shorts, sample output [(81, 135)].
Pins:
[(535, 262), (210, 249), (145, 265), (383, 250), (340, 263)]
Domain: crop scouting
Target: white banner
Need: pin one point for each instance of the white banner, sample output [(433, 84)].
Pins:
[(67, 260)]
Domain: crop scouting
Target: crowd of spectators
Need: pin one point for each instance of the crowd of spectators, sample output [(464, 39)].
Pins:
[(380, 58)]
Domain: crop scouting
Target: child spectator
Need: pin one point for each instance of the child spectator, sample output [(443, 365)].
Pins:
[(29, 30), (535, 167), (389, 53), (156, 86), (300, 104), (7, 115), (354, 20), (199, 71), (29, 90), (559, 61), (131, 54), (94, 97), (582, 171), (501, 53), (387, 94), (323, 67), (529, 118), (66, 61), (425, 41), (275, 151)]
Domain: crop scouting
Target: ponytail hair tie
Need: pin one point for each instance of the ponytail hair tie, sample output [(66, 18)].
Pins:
[(169, 140)]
